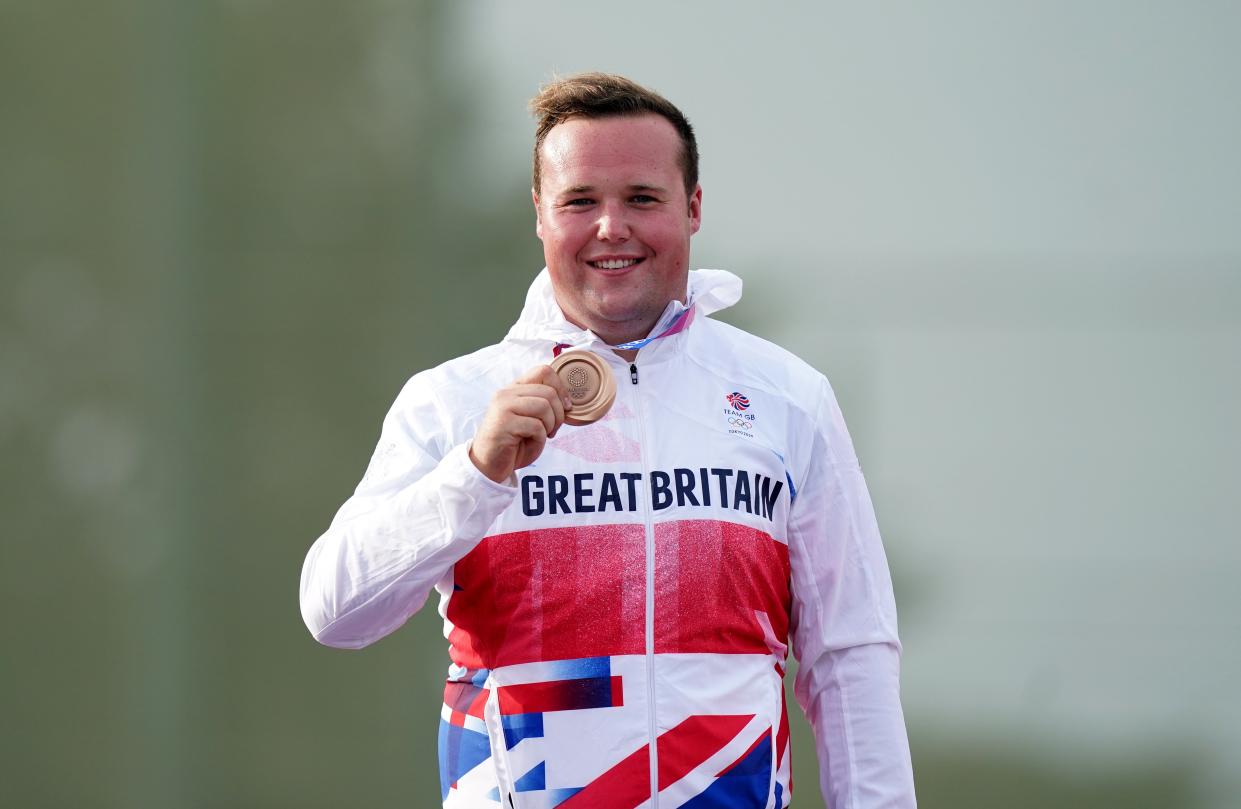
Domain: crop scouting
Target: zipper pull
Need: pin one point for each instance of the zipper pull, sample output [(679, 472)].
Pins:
[(633, 372)]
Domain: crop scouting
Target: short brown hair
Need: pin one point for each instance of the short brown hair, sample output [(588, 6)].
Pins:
[(605, 95)]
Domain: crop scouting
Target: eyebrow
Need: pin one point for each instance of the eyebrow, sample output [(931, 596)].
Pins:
[(586, 189)]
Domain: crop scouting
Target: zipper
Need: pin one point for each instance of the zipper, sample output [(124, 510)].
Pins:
[(495, 730), (649, 525)]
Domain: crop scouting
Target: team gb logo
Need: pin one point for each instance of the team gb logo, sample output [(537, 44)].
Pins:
[(739, 421)]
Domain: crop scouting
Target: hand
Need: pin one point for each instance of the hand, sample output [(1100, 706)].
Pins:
[(520, 419)]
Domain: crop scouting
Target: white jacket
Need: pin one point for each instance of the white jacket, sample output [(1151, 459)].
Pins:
[(619, 619)]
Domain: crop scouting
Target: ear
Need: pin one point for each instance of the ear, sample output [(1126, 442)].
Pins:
[(538, 217), (695, 210)]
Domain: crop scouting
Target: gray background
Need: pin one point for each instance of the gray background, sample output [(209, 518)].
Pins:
[(229, 231)]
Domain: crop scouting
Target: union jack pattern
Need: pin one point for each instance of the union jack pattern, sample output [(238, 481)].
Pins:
[(737, 401), (561, 672)]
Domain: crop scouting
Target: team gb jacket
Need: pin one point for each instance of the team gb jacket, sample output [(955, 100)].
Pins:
[(619, 616)]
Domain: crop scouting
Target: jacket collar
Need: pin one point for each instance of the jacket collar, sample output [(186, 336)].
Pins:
[(541, 319)]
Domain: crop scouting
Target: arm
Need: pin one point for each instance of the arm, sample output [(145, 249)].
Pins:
[(844, 629), (423, 504)]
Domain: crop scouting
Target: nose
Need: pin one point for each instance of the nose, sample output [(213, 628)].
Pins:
[(613, 225)]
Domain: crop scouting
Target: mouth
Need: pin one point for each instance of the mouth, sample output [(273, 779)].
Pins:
[(615, 263)]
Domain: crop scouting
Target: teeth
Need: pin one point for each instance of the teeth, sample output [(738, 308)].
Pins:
[(618, 264)]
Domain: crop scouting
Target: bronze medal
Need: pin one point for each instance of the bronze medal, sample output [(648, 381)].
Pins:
[(592, 387)]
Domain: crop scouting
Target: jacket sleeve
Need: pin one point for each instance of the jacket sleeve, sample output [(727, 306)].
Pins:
[(421, 506), (844, 628)]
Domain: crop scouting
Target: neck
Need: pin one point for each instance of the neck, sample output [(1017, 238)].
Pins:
[(621, 332), (617, 333)]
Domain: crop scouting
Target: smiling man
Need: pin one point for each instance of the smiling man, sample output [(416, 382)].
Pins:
[(620, 595), (615, 215)]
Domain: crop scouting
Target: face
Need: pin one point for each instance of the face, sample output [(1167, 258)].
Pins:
[(615, 221)]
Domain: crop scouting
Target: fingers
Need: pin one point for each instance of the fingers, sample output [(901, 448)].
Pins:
[(544, 375), (531, 447), (507, 441), (538, 402), (521, 418)]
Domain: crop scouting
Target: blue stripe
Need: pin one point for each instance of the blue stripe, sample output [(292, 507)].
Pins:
[(536, 779), (581, 668), (742, 787), (787, 476), (521, 726), (461, 750)]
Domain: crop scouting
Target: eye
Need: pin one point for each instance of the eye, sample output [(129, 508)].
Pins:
[(642, 199), (578, 202)]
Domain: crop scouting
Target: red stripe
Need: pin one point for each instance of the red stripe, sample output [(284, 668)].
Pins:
[(623, 787), (467, 696), (479, 703), (710, 577), (689, 744), (552, 594), (681, 750), (558, 695), (569, 593), (782, 735)]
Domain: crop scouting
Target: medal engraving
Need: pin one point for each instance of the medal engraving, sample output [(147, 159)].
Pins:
[(592, 387)]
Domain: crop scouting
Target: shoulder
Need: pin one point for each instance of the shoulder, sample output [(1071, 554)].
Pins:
[(754, 362), (458, 390), (501, 362)]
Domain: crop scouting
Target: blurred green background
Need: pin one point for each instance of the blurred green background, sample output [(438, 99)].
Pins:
[(1010, 233)]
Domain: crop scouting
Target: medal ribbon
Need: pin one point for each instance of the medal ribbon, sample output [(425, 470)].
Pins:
[(679, 324)]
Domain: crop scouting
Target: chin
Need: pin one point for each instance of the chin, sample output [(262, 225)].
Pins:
[(622, 311)]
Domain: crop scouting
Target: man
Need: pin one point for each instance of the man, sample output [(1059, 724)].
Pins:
[(619, 596)]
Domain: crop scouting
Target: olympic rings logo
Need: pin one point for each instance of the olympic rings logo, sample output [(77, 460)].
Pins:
[(742, 423)]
